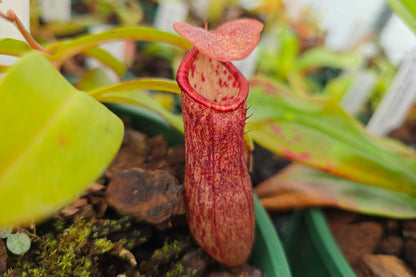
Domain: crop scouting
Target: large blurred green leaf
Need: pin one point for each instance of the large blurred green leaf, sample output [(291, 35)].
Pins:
[(319, 188), (317, 132), (54, 140), (406, 9)]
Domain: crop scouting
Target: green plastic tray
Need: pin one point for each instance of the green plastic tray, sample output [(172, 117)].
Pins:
[(268, 253), (311, 249)]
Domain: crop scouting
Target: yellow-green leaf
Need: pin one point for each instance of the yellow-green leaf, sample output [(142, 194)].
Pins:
[(54, 141), (406, 9), (107, 59), (13, 47), (61, 51), (142, 99), (134, 92)]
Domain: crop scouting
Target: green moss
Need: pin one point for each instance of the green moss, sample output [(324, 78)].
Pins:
[(129, 244), (103, 246), (170, 251), (178, 271), (67, 253)]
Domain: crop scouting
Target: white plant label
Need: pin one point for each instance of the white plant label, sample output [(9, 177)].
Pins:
[(22, 10), (7, 30), (168, 13), (56, 10), (359, 92), (397, 101)]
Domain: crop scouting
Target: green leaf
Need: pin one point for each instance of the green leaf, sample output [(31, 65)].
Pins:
[(317, 132), (141, 84), (13, 47), (107, 59), (336, 192), (61, 51), (55, 141), (288, 50), (124, 93), (337, 87), (94, 79), (321, 57), (18, 243), (142, 99), (406, 9)]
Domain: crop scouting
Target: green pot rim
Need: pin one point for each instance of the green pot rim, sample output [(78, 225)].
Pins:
[(326, 245), (311, 248)]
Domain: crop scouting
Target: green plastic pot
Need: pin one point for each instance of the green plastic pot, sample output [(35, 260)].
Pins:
[(311, 249), (268, 254)]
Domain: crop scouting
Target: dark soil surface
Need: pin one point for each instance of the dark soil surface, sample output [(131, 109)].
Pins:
[(131, 222), (375, 246)]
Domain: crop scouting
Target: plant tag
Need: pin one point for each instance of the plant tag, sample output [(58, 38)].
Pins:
[(397, 39), (397, 101), (7, 29), (168, 13), (53, 10), (22, 10), (359, 92)]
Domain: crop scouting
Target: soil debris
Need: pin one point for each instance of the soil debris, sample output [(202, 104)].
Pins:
[(384, 265), (375, 246), (151, 195)]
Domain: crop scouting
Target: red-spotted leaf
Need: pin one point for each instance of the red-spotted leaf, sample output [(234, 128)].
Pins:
[(232, 41), (317, 132), (301, 186)]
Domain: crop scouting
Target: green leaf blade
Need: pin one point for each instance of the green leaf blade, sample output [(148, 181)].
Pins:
[(61, 51), (13, 47), (58, 141), (318, 133), (406, 9), (107, 59), (337, 192), (140, 98)]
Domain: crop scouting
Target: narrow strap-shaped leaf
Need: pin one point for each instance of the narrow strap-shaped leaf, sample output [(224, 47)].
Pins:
[(313, 188), (139, 84), (61, 51), (107, 59), (141, 98)]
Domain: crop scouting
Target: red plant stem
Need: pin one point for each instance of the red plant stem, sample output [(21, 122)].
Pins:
[(12, 17), (218, 189)]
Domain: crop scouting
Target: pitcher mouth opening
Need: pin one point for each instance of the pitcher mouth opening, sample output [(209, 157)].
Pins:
[(214, 84)]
